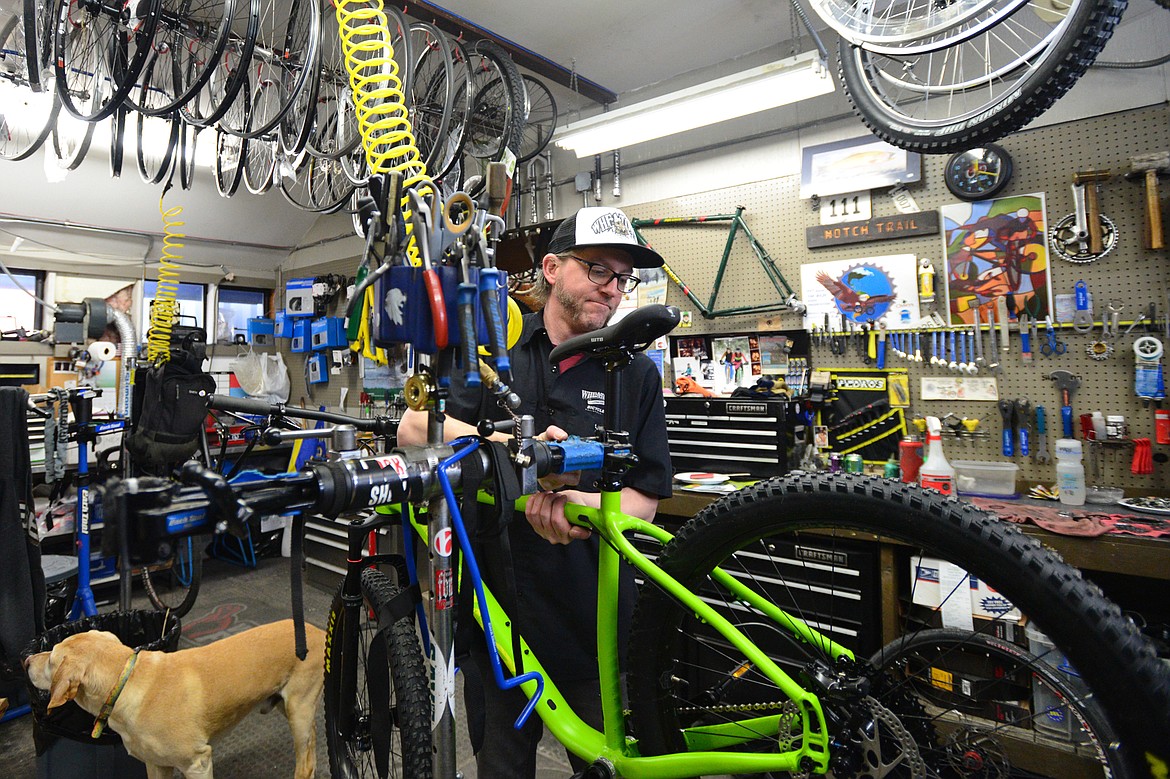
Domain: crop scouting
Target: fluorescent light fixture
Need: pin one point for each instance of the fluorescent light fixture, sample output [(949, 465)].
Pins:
[(767, 86)]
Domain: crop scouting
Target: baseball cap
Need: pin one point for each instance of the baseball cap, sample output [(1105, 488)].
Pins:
[(602, 226)]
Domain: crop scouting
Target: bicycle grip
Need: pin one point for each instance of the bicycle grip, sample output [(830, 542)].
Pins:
[(465, 298), (489, 301), (438, 307), (241, 405)]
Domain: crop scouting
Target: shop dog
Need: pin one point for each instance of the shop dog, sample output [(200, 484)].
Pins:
[(171, 704)]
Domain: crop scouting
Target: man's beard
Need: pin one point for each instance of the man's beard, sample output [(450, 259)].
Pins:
[(575, 309)]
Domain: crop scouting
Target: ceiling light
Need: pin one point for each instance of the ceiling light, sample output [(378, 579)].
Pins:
[(768, 86)]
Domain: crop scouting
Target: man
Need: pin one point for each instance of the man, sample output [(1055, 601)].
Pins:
[(586, 271)]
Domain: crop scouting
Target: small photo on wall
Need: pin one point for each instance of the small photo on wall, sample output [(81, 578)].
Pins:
[(997, 249), (732, 359)]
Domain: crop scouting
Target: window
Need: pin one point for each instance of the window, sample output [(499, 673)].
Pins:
[(236, 306), (20, 310), (191, 299)]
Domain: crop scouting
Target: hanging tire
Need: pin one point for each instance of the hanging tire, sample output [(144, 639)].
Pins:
[(943, 101), (351, 754), (796, 540), (175, 589)]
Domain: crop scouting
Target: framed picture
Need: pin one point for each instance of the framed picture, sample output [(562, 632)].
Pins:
[(866, 290), (854, 165), (997, 249)]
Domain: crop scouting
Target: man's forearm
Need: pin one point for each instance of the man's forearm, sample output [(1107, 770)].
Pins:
[(413, 429)]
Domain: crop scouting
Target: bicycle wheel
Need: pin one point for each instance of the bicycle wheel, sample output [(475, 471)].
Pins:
[(542, 119), (95, 43), (37, 22), (983, 88), (188, 138), (449, 148), (406, 738), (197, 33), (907, 25), (259, 165), (432, 90), (175, 588), (157, 133), (497, 115), (117, 142), (71, 139), (230, 152), (36, 111), (284, 59), (229, 73), (795, 542)]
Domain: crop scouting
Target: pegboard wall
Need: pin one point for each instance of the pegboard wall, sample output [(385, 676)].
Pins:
[(1045, 160)]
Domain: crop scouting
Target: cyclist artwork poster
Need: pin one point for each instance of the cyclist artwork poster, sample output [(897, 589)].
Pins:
[(996, 249), (862, 291)]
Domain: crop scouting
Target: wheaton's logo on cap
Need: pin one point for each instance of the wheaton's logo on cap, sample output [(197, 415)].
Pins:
[(613, 222)]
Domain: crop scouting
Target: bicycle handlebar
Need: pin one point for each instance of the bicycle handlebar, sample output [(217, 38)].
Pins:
[(380, 425)]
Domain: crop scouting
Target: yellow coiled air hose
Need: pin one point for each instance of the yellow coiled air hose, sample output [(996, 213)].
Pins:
[(166, 304)]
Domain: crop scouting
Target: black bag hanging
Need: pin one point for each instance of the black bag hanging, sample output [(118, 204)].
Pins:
[(173, 408)]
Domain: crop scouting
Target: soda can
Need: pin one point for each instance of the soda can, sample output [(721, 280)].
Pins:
[(834, 462), (854, 463)]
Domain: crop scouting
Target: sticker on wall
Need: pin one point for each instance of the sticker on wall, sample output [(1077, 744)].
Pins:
[(996, 249), (861, 291)]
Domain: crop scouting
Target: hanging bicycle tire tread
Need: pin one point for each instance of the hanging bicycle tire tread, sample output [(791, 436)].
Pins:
[(1119, 666), (410, 695), (1085, 35), (192, 569), (513, 130)]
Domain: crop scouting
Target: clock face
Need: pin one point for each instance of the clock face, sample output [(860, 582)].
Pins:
[(979, 173)]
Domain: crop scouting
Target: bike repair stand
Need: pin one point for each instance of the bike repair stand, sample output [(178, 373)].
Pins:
[(85, 432)]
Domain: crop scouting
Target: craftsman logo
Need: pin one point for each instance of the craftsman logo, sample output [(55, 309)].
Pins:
[(443, 542), (857, 383), (594, 401), (821, 556), (747, 408), (613, 222)]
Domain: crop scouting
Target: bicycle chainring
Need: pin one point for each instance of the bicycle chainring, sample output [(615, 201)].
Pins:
[(1069, 245)]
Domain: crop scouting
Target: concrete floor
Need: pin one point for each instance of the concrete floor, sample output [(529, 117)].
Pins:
[(232, 599)]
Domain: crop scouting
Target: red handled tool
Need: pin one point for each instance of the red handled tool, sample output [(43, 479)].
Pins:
[(421, 220)]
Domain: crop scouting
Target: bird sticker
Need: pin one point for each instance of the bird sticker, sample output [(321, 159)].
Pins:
[(863, 293)]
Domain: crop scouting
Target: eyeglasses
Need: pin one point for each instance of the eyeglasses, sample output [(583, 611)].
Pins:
[(601, 275)]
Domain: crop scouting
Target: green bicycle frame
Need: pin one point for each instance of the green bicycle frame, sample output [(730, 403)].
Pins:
[(709, 311), (613, 744)]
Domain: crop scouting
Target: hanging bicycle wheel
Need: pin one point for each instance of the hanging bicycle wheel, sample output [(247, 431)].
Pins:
[(362, 731), (174, 588), (496, 122), (893, 26), (226, 77), (117, 141), (794, 563), (37, 23), (432, 90), (188, 140), (449, 147), (100, 50), (542, 119), (71, 140), (28, 116), (320, 185), (284, 59), (157, 134), (230, 152), (983, 88), (260, 165)]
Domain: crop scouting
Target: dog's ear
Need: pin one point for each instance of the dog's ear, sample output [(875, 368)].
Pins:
[(67, 673)]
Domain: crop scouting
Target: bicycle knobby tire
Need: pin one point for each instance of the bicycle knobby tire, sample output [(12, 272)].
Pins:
[(351, 755), (1127, 684)]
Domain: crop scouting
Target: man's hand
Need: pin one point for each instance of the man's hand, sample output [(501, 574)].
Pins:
[(554, 481), (546, 514)]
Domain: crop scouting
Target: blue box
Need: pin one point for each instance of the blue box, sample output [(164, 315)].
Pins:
[(318, 368), (328, 332), (283, 324), (298, 297), (406, 315), (300, 335), (261, 331)]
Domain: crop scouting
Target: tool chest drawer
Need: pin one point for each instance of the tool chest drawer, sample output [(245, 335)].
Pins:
[(728, 435)]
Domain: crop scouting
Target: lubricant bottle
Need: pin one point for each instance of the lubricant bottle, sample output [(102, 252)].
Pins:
[(936, 472), (1070, 473)]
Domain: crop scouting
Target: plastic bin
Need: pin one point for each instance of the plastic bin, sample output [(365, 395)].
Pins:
[(978, 477), (1050, 715), (65, 749)]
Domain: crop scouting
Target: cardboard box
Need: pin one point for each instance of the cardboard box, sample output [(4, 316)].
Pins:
[(985, 601)]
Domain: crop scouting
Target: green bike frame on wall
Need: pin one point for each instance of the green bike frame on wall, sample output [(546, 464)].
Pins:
[(789, 300)]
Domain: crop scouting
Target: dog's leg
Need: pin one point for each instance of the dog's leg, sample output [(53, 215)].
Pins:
[(302, 721), (159, 771), (200, 765)]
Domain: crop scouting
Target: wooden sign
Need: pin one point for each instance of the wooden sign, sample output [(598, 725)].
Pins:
[(878, 229)]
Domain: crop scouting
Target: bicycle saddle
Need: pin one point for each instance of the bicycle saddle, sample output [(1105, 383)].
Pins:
[(621, 340)]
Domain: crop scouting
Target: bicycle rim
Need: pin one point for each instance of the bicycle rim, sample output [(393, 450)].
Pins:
[(227, 76), (982, 88), (117, 142), (450, 146), (175, 589), (542, 119), (37, 21), (230, 151), (157, 134), (801, 542), (351, 754), (188, 138), (71, 139), (100, 51), (27, 123), (901, 25), (432, 91), (496, 122), (259, 165)]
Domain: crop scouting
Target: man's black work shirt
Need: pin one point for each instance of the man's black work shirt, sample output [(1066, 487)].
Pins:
[(557, 584)]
